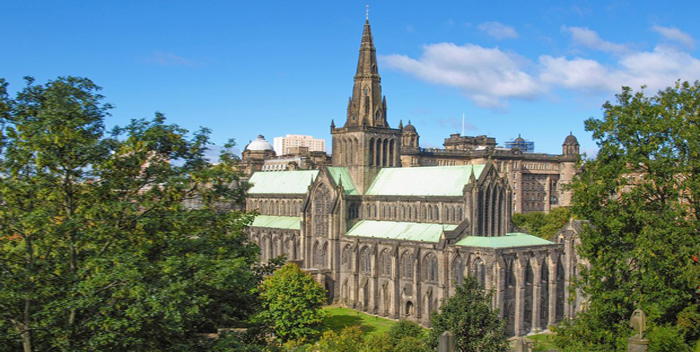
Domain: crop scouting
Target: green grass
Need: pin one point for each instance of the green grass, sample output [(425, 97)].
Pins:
[(339, 317), (543, 342)]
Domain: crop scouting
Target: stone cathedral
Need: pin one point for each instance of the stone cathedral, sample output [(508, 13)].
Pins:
[(395, 241)]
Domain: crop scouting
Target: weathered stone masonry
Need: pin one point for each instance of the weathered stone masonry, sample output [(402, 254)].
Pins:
[(395, 241)]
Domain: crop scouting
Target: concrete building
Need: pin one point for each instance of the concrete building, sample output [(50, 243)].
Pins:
[(285, 145), (395, 241)]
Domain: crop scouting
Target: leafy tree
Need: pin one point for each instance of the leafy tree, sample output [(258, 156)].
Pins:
[(403, 329), (642, 197), (545, 225), (412, 344), (291, 303), (98, 250), (349, 339), (468, 315)]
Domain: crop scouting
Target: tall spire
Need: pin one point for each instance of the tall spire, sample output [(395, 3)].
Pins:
[(367, 106)]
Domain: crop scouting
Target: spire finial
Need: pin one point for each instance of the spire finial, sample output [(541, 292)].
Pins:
[(367, 12)]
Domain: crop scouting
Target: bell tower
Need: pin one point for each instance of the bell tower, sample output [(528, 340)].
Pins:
[(366, 143)]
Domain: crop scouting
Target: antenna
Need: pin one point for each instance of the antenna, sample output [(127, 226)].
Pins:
[(462, 124), (367, 12)]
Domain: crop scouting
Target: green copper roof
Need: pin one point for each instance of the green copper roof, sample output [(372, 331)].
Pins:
[(342, 174), (277, 222), (283, 182), (409, 231), (508, 241), (423, 181)]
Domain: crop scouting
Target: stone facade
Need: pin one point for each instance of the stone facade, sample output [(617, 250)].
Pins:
[(538, 179), (396, 241)]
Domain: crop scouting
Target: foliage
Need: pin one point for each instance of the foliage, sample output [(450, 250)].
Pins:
[(349, 339), (688, 322), (291, 303), (98, 251), (403, 329), (412, 344), (545, 225), (667, 339), (468, 315), (642, 198)]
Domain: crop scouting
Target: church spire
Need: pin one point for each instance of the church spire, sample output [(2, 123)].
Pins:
[(367, 106)]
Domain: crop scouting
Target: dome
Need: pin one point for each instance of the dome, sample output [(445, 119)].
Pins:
[(409, 128), (519, 139), (570, 140), (259, 144)]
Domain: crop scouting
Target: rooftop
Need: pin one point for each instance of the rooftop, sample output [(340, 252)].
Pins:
[(424, 181), (282, 182), (395, 230), (510, 240), (277, 222)]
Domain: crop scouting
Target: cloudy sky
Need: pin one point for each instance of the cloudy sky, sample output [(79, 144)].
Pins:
[(538, 69)]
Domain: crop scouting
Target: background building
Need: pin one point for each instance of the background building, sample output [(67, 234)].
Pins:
[(521, 143), (284, 145)]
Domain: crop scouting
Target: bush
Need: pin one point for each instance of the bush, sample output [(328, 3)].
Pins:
[(403, 329), (349, 339), (291, 304), (667, 339)]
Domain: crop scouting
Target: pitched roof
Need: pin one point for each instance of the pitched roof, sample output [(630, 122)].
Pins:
[(423, 181), (282, 182), (510, 240), (342, 174), (393, 230), (277, 222)]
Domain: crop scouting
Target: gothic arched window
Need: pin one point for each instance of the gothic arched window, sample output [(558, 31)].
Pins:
[(346, 258), (365, 261), (321, 208), (479, 272), (406, 265), (385, 263), (430, 269), (457, 271)]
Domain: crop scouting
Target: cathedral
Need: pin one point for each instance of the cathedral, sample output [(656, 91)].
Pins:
[(388, 235)]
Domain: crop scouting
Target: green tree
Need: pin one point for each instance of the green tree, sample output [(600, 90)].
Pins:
[(403, 329), (642, 198), (98, 250), (349, 339), (468, 315), (545, 225), (291, 304)]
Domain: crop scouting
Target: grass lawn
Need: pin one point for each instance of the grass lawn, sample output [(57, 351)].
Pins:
[(543, 342), (340, 317)]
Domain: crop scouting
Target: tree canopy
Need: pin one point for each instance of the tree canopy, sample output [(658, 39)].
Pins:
[(469, 316), (114, 241), (291, 304), (545, 225), (642, 197)]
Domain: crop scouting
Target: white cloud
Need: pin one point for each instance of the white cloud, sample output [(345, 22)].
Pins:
[(486, 75), (676, 35), (655, 69), (582, 74), (490, 77), (591, 39), (498, 30)]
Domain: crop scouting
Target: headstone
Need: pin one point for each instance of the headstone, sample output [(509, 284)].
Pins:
[(638, 322), (446, 342)]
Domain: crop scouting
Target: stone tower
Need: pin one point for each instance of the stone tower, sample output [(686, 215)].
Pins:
[(366, 143), (570, 147)]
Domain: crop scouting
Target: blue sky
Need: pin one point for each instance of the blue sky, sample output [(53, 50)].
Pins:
[(261, 67)]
